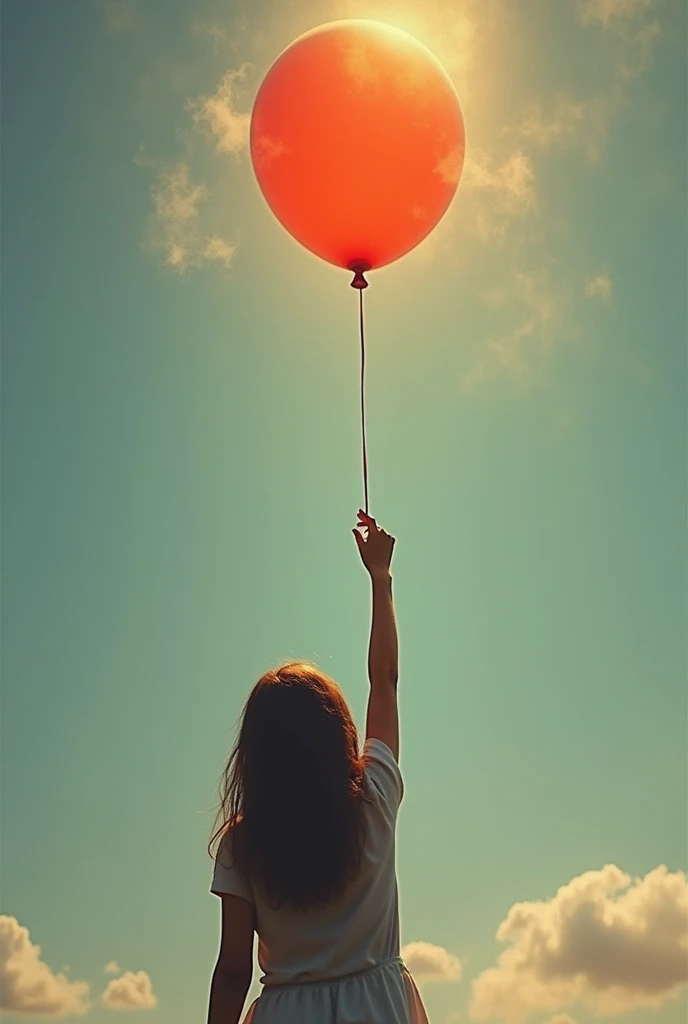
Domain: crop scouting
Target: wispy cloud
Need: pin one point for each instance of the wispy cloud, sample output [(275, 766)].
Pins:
[(561, 124), (616, 953), (566, 121), (600, 286), (211, 31), (175, 227), (112, 968), (27, 984), (218, 250), (133, 991), (536, 306), (638, 49), (219, 112), (497, 193), (511, 181), (428, 962)]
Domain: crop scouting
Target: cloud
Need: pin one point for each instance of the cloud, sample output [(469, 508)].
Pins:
[(219, 113), (218, 250), (560, 1018), (600, 287), (630, 47), (120, 15), (133, 991), (562, 124), (538, 307), (638, 50), (614, 951), (175, 225), (569, 123), (635, 37), (212, 31), (499, 191), (585, 123), (428, 962), (27, 984), (112, 968), (511, 181)]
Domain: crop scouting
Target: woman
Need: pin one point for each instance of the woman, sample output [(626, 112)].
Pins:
[(306, 853)]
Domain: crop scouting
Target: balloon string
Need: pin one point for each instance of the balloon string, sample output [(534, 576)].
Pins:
[(363, 429)]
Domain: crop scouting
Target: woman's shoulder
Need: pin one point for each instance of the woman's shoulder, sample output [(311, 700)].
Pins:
[(228, 837), (383, 771)]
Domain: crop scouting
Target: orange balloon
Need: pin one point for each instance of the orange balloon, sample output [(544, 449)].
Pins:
[(357, 142)]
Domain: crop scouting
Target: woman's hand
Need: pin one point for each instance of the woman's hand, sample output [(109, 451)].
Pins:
[(376, 549)]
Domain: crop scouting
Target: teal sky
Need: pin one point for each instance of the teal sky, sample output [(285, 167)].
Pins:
[(181, 473)]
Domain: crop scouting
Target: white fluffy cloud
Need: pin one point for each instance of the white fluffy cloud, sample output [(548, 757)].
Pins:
[(611, 950), (428, 962), (27, 984), (133, 991), (600, 286)]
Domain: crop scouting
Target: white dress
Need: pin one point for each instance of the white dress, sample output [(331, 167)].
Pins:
[(339, 964)]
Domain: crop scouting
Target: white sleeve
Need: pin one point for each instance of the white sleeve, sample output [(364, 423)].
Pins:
[(383, 771), (227, 878)]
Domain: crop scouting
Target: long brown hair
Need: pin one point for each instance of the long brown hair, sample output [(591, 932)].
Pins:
[(292, 789)]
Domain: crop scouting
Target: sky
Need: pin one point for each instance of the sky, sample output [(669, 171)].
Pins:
[(181, 472)]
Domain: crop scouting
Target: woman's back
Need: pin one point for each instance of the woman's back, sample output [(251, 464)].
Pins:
[(357, 931), (340, 962)]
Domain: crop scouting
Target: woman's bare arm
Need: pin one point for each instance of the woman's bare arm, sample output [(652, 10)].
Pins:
[(383, 650), (382, 719)]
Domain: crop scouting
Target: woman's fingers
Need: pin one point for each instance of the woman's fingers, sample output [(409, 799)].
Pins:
[(365, 520)]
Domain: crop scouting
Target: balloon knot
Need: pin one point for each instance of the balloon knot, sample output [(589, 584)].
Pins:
[(359, 269)]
